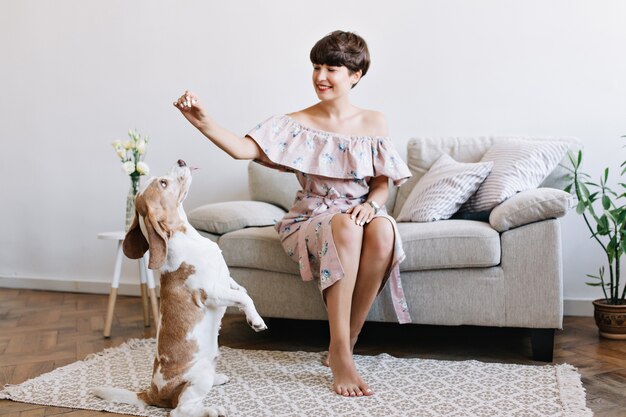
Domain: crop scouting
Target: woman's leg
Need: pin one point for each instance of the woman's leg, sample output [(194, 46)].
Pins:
[(376, 258), (348, 239)]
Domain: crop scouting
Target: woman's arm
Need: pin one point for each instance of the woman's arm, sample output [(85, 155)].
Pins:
[(379, 190), (233, 145)]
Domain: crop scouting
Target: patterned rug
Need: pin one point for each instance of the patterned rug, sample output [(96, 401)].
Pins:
[(274, 383)]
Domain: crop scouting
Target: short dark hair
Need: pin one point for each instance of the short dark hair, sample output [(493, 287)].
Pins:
[(341, 48)]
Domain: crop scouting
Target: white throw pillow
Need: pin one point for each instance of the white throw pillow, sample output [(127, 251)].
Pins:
[(518, 165), (528, 207), (220, 218), (443, 189)]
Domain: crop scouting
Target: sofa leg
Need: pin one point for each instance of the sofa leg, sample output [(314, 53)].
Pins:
[(542, 342)]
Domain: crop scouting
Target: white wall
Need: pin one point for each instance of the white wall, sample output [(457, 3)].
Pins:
[(76, 75)]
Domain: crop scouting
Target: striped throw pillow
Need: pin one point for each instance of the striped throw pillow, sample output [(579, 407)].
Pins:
[(443, 189), (518, 165)]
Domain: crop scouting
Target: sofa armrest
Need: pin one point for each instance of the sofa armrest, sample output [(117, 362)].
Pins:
[(528, 207), (533, 275), (220, 218)]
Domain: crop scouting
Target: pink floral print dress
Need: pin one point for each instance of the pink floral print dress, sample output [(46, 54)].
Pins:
[(334, 172)]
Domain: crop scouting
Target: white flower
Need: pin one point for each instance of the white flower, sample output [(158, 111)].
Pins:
[(128, 167), (121, 152), (141, 146), (117, 144), (129, 144), (142, 168)]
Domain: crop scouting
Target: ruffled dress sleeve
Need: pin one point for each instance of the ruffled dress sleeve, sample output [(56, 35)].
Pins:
[(291, 146)]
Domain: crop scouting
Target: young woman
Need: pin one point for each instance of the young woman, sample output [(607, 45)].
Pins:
[(337, 230)]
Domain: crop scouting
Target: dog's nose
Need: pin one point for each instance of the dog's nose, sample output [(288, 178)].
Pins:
[(182, 163)]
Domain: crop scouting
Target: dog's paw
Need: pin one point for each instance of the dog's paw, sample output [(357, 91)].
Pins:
[(257, 324), (220, 379)]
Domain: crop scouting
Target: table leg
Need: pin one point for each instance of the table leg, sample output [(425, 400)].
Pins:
[(152, 292), (114, 286)]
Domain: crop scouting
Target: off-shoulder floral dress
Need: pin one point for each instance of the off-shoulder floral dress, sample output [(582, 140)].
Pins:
[(334, 171)]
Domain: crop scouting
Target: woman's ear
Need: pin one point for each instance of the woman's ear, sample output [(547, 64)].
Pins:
[(135, 244), (355, 77)]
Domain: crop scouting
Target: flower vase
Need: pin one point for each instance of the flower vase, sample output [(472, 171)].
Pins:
[(130, 202)]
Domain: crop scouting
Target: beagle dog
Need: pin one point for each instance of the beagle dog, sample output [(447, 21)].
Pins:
[(196, 288)]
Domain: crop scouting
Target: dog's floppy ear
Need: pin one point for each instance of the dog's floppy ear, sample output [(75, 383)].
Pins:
[(157, 238), (135, 244)]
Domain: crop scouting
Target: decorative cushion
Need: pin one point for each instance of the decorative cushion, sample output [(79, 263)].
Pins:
[(518, 165), (528, 207), (422, 152), (220, 218), (443, 189)]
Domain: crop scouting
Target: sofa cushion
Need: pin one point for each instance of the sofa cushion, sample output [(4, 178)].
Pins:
[(449, 244), (220, 218), (257, 248), (443, 189), (518, 165), (528, 207), (272, 186), (438, 245)]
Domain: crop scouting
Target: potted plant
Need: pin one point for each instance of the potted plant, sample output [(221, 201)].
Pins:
[(604, 212)]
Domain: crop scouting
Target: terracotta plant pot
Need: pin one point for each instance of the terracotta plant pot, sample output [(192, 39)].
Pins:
[(611, 319)]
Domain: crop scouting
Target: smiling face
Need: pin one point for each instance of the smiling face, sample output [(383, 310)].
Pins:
[(340, 59), (331, 82)]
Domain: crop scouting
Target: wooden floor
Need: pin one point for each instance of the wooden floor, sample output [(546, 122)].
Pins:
[(40, 331)]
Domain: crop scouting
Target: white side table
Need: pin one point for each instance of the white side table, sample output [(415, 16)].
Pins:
[(147, 284)]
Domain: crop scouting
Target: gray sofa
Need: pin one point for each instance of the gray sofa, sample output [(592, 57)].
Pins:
[(504, 273)]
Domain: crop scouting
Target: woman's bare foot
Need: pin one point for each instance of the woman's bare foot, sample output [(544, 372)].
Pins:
[(346, 379), (326, 358)]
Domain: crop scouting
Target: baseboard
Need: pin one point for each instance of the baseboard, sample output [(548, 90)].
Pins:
[(578, 307), (87, 287)]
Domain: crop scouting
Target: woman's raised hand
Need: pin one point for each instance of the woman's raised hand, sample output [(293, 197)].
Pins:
[(190, 107)]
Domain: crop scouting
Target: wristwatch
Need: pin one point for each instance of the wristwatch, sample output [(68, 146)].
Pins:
[(374, 205)]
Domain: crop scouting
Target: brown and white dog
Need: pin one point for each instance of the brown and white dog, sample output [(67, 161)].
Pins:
[(196, 288)]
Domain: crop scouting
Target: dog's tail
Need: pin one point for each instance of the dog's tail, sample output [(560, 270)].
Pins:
[(118, 395)]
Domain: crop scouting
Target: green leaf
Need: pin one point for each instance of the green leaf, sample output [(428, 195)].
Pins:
[(584, 189), (603, 225), (594, 284), (580, 157), (580, 207), (606, 174), (568, 189), (606, 202), (610, 248)]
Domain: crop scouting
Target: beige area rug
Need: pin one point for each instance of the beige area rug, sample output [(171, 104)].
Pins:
[(273, 383)]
